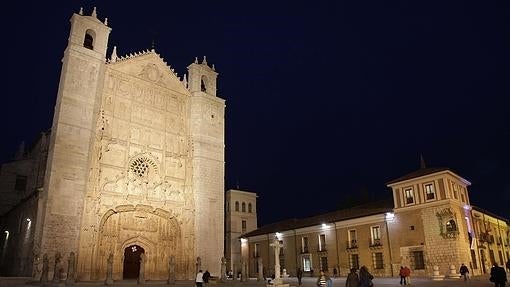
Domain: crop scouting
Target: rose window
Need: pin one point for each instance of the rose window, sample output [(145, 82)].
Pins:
[(140, 166)]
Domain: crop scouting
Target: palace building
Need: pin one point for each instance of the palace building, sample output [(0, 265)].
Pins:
[(133, 164), (429, 223)]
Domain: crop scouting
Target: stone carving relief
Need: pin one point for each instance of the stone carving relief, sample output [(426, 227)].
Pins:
[(447, 223)]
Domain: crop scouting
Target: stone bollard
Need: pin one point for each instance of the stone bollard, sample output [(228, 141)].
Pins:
[(453, 273), (436, 276)]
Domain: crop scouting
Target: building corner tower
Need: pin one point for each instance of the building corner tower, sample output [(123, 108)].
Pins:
[(60, 208), (208, 161)]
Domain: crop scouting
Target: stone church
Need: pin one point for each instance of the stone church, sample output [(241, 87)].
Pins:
[(135, 165)]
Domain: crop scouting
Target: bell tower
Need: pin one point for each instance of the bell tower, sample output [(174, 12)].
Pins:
[(207, 152), (72, 135)]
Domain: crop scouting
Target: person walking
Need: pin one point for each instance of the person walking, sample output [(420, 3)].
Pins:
[(498, 276), (206, 277), (365, 278), (322, 280), (199, 280), (464, 272), (299, 274), (407, 272), (352, 279), (402, 274)]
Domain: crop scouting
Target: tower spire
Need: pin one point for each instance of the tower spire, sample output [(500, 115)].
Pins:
[(94, 13), (114, 57), (422, 162)]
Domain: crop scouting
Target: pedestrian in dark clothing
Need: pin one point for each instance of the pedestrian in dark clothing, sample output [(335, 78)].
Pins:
[(299, 275), (206, 277), (365, 278), (464, 272), (352, 279), (508, 265), (498, 276), (402, 275)]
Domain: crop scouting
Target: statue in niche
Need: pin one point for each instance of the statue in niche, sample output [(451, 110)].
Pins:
[(45, 269), (109, 270), (57, 271), (141, 276), (70, 269), (171, 270)]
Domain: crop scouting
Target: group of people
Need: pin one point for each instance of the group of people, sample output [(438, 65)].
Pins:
[(363, 279), (405, 275), (202, 278)]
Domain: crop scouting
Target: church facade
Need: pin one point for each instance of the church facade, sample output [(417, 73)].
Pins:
[(135, 165)]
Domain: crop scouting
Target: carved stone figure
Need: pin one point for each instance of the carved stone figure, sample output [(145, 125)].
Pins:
[(261, 269), (70, 269), (109, 270), (45, 268), (171, 270), (223, 269), (198, 264), (57, 271), (141, 275)]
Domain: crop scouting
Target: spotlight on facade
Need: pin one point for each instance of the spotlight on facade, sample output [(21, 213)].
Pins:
[(6, 234), (467, 207), (390, 216), (243, 241), (279, 235), (324, 226), (29, 220)]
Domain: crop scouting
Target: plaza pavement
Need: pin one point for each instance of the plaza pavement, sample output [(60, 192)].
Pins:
[(479, 281)]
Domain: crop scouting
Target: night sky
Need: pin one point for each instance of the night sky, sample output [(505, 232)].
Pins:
[(326, 100)]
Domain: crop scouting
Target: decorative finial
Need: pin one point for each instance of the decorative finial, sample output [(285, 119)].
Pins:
[(185, 81), (113, 58), (81, 11), (196, 60), (106, 21), (422, 162), (213, 68), (204, 61), (94, 13)]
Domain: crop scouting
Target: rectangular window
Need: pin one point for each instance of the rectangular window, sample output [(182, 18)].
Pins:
[(281, 248), (307, 263), (256, 250), (243, 226), (324, 263), (491, 254), (463, 198), (430, 192), (304, 244), (21, 183), (473, 259), (322, 242), (418, 260), (354, 261), (455, 191), (501, 263), (409, 195), (376, 235), (353, 239), (377, 259)]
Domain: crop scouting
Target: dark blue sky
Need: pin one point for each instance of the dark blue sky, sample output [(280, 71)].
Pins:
[(324, 98)]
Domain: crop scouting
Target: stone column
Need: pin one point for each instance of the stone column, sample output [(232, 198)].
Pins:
[(109, 270), (70, 269), (171, 270), (57, 268), (277, 245), (141, 275), (223, 275), (45, 269), (261, 270)]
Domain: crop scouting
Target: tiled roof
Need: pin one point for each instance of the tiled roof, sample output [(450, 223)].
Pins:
[(372, 208), (418, 173)]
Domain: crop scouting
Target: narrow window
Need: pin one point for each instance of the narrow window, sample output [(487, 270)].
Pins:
[(21, 183), (307, 263), (473, 259), (354, 261), (409, 194), (304, 244), (322, 242), (430, 193), (249, 207), (243, 207), (203, 87), (451, 226), (324, 263), (377, 259), (243, 226), (256, 250), (237, 205), (376, 235), (88, 42), (353, 240), (419, 262)]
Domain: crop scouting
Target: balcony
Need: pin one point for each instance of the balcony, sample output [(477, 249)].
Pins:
[(304, 250), (375, 243), (321, 248), (353, 244)]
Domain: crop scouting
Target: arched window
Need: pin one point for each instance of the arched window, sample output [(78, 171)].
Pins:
[(237, 205), (203, 85), (249, 207), (451, 226), (88, 42), (243, 207)]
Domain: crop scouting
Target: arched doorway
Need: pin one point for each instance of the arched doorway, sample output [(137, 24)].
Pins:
[(132, 261)]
